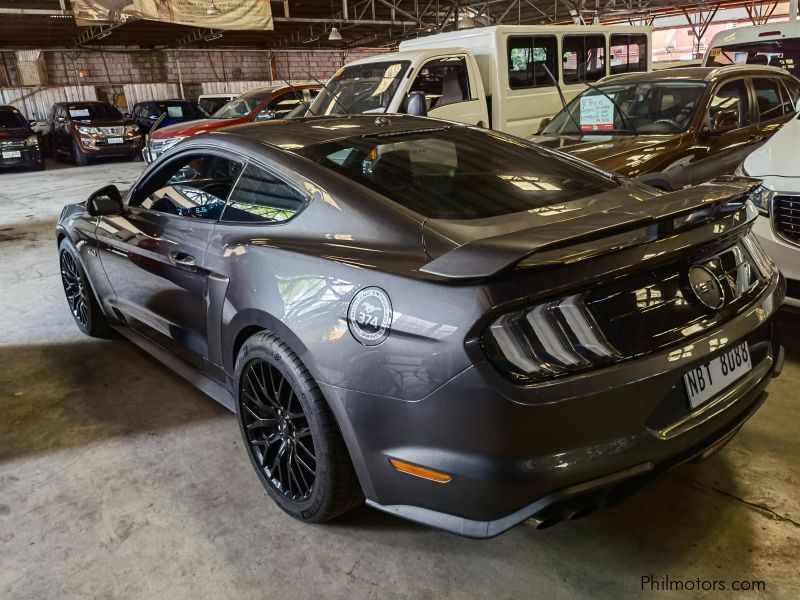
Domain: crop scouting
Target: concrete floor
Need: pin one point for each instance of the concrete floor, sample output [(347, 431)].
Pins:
[(119, 480)]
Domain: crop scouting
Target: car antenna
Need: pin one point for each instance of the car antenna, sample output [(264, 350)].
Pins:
[(617, 106), (327, 89), (560, 94), (303, 102)]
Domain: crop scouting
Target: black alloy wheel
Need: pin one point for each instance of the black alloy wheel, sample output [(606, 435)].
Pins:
[(290, 434), (277, 430), (82, 303), (73, 288)]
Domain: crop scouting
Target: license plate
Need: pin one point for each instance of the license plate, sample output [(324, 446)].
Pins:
[(12, 154), (114, 140), (708, 380)]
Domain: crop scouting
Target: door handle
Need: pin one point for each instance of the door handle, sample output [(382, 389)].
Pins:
[(182, 259)]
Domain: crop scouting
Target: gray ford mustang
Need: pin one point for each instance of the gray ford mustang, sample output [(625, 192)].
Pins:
[(463, 328)]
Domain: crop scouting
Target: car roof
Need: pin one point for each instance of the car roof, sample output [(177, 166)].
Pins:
[(295, 134), (697, 73)]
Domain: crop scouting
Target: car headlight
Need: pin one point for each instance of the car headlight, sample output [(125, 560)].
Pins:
[(88, 130), (761, 197), (131, 129), (32, 141)]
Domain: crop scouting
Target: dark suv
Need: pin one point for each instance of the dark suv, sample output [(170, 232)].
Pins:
[(146, 114), (84, 130), (19, 144)]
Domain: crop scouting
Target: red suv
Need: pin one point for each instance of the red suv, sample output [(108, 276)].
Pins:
[(261, 104)]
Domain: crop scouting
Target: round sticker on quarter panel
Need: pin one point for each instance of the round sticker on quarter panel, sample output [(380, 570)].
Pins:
[(370, 316)]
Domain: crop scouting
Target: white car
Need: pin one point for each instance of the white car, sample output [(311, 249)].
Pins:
[(777, 164)]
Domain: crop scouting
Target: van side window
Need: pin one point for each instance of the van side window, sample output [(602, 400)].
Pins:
[(443, 81), (260, 197), (583, 58), (527, 59), (768, 96), (628, 53)]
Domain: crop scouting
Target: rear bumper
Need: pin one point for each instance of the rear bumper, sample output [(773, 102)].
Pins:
[(552, 450)]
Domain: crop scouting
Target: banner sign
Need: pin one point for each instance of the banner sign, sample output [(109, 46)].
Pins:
[(213, 14)]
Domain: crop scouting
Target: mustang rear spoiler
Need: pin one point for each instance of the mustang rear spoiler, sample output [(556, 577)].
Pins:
[(594, 232)]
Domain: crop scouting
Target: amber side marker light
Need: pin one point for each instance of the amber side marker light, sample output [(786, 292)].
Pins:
[(420, 471)]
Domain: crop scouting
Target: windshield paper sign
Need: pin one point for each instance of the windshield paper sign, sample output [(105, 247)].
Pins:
[(597, 113)]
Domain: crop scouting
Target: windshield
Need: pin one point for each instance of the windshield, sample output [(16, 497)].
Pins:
[(83, 112), (360, 88), (649, 107), (243, 105), (458, 173), (777, 53), (11, 119), (177, 110)]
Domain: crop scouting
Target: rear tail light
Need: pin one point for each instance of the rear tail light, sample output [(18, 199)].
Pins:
[(548, 340)]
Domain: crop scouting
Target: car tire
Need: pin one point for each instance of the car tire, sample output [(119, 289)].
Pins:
[(80, 159), (305, 468), (83, 305)]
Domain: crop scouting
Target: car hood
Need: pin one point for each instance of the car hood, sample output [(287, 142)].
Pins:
[(627, 154), (778, 157), (15, 132), (102, 122), (572, 230), (190, 128)]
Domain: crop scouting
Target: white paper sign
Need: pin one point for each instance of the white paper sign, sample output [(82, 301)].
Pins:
[(597, 113), (174, 112), (76, 113)]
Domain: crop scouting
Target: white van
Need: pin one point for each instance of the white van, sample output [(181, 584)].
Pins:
[(776, 44), (493, 77)]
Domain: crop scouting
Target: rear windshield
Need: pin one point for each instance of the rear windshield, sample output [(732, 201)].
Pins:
[(783, 53), (11, 119), (458, 173), (82, 112)]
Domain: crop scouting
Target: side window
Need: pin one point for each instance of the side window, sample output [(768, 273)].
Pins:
[(260, 197), (768, 96), (527, 59), (583, 58), (628, 53), (731, 96), (444, 81), (283, 105), (195, 186), (791, 94)]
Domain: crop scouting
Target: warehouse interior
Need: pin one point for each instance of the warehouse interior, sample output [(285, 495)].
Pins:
[(123, 475)]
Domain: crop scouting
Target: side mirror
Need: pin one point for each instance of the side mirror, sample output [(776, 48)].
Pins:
[(543, 123), (32, 123), (266, 115), (105, 201), (417, 106), (724, 121)]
